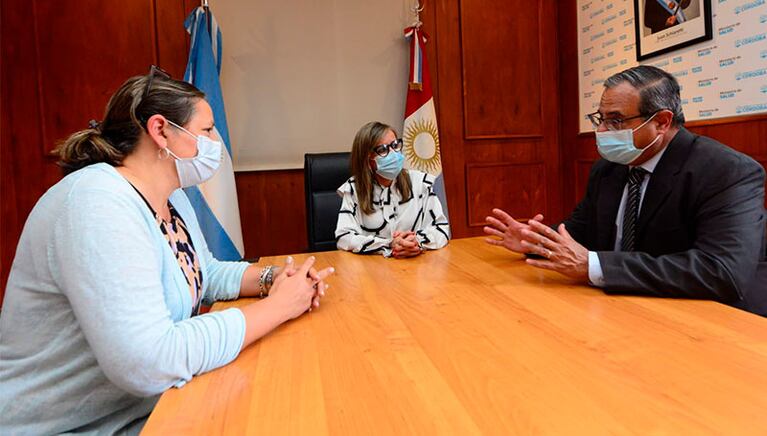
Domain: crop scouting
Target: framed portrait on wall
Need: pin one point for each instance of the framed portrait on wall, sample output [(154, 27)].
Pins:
[(663, 26)]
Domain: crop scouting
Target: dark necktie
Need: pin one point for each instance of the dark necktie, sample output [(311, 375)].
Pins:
[(631, 213)]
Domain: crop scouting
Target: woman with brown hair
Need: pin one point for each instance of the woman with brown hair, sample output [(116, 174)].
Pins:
[(385, 208), (101, 309)]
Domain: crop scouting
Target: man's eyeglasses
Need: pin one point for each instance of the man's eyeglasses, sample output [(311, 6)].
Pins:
[(598, 119), (154, 71), (383, 149)]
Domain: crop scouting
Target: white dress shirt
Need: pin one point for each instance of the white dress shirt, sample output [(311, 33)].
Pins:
[(596, 277)]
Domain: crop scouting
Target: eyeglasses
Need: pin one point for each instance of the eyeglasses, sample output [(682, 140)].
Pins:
[(597, 119), (383, 149), (154, 71)]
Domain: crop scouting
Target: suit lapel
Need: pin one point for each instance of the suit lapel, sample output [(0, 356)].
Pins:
[(611, 191), (662, 179)]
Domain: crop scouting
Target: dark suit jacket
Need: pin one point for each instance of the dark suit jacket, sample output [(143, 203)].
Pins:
[(701, 228), (655, 15)]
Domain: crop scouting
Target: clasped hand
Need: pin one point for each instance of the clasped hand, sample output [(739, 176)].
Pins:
[(308, 285), (405, 244)]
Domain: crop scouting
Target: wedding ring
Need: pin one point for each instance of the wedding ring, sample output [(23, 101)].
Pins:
[(548, 254)]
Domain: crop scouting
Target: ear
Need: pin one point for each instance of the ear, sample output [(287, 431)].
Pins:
[(664, 120), (155, 127)]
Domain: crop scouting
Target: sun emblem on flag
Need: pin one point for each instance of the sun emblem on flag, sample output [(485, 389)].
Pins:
[(422, 145)]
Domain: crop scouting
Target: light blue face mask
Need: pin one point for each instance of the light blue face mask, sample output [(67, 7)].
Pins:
[(196, 170), (390, 166), (618, 145)]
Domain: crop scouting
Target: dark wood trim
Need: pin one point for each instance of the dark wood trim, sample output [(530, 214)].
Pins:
[(522, 136), (446, 44), (727, 120), (154, 31), (541, 70), (503, 164), (39, 88)]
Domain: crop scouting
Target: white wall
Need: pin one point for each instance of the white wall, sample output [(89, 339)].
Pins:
[(302, 76)]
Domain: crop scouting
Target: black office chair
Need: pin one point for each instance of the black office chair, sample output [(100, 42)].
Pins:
[(323, 174)]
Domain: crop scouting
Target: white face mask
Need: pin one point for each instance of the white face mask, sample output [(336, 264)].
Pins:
[(618, 145), (195, 170)]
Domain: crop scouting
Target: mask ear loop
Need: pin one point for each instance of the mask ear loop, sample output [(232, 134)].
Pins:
[(182, 129), (648, 146), (169, 153), (646, 121), (371, 161), (161, 155)]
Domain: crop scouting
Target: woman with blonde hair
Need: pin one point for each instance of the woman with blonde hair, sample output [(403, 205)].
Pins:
[(101, 311), (385, 208)]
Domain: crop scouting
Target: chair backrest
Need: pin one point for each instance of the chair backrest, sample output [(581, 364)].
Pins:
[(323, 174)]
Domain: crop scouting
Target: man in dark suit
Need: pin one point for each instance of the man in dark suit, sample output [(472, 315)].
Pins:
[(657, 17), (666, 213)]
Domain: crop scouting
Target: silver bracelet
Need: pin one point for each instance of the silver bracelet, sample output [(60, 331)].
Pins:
[(265, 281)]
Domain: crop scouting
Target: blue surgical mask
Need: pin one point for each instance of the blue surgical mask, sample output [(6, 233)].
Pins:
[(618, 145), (389, 166), (196, 170)]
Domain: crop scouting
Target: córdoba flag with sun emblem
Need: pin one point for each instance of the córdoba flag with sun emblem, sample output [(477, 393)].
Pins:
[(420, 133)]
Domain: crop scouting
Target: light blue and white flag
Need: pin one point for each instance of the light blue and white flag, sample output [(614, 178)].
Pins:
[(673, 7), (214, 201)]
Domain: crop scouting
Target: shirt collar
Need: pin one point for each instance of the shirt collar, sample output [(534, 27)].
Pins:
[(651, 163)]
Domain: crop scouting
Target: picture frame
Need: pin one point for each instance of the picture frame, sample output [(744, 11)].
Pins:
[(663, 26)]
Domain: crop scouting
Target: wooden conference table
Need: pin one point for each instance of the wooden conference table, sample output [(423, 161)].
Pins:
[(470, 340)]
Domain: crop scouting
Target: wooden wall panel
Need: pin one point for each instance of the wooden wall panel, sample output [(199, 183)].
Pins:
[(78, 73), (516, 188), (747, 134), (447, 79), (24, 169), (501, 68), (272, 211), (59, 64), (172, 39), (567, 24), (498, 98)]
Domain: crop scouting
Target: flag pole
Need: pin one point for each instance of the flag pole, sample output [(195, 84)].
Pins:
[(206, 7), (417, 8)]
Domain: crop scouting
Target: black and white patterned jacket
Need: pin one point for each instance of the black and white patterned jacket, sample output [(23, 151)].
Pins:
[(421, 213)]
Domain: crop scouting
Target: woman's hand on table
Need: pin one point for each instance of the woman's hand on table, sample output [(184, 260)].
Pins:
[(405, 244), (299, 289)]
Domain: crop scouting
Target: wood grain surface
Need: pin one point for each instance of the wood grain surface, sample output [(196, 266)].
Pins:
[(470, 340)]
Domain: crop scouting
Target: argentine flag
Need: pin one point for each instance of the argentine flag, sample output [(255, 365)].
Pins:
[(214, 201)]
